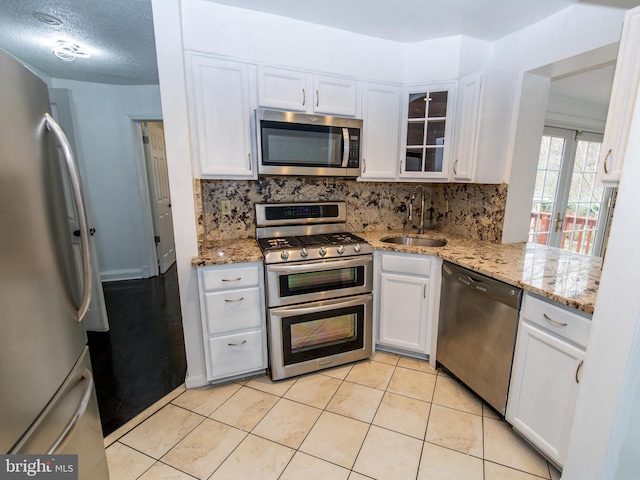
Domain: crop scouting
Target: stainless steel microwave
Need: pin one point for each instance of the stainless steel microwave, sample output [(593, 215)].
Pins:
[(292, 143)]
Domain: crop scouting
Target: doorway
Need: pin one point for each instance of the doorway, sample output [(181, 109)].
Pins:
[(154, 162), (569, 210)]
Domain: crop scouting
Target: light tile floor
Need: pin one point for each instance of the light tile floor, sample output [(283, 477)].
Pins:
[(391, 418)]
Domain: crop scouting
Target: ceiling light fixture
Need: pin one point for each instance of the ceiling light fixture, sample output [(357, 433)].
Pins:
[(68, 51), (46, 18)]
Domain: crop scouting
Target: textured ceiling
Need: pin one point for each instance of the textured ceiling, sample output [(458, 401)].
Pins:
[(118, 35)]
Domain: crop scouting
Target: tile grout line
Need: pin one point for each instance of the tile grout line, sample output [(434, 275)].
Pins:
[(324, 409), (249, 432), (343, 380), (371, 423)]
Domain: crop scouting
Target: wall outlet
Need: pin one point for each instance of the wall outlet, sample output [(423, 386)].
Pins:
[(225, 207)]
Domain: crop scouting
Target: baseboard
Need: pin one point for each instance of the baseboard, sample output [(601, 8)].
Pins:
[(117, 275), (195, 381)]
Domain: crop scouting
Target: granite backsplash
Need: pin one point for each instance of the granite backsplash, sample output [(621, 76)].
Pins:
[(471, 210)]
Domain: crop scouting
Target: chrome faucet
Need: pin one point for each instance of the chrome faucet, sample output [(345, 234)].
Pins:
[(413, 197)]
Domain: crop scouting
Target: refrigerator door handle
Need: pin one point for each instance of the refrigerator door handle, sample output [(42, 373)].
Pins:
[(74, 421), (76, 190), (71, 425)]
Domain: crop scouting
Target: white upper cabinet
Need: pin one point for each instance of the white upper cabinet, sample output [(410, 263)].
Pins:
[(467, 128), (304, 92), (286, 89), (426, 135), (381, 114), (335, 95), (623, 99), (220, 107)]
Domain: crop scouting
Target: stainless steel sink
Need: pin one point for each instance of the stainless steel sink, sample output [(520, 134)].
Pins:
[(416, 241)]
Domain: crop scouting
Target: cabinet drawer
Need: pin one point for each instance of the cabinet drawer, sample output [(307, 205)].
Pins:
[(411, 264), (218, 278), (235, 354), (560, 321), (231, 310)]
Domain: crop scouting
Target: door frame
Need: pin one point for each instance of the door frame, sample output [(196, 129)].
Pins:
[(143, 189)]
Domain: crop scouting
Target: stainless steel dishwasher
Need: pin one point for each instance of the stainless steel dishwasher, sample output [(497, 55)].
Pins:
[(477, 331)]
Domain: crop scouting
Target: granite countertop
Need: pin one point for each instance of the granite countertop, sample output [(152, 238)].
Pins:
[(223, 252), (568, 278)]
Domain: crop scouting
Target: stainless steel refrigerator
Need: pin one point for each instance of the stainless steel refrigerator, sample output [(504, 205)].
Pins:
[(47, 396)]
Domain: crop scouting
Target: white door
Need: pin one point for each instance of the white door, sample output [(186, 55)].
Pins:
[(403, 312), (160, 197), (543, 390), (570, 210), (96, 318)]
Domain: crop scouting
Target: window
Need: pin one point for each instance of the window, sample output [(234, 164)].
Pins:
[(569, 210)]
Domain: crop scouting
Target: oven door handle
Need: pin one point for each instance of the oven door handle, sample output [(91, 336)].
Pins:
[(341, 262), (320, 306)]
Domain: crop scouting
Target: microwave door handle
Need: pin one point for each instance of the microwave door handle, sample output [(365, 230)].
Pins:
[(345, 147)]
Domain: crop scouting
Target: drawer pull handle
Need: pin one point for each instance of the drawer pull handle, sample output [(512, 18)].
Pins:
[(232, 279), (237, 344), (235, 300), (554, 321), (578, 371)]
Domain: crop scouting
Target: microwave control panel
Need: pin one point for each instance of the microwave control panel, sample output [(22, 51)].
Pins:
[(354, 148)]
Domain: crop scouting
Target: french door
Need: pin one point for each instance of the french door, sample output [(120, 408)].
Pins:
[(569, 210)]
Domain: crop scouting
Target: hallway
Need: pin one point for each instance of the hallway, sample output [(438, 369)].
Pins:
[(142, 357)]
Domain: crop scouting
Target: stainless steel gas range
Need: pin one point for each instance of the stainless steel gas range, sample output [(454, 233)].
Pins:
[(319, 280)]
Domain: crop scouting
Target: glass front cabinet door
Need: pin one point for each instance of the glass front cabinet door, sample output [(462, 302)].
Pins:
[(427, 135)]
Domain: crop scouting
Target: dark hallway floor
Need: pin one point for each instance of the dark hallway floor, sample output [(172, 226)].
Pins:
[(142, 357)]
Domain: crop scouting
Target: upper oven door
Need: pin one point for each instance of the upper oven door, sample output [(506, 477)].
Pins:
[(310, 281), (299, 144)]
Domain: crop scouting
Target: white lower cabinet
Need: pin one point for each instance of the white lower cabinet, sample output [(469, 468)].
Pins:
[(408, 301), (550, 351), (233, 319)]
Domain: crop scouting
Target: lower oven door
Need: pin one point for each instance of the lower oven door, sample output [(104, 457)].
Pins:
[(318, 280), (309, 337)]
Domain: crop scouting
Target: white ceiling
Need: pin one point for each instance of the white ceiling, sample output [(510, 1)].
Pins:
[(119, 33)]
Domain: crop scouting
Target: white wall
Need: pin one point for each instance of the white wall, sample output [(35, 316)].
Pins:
[(610, 374), (566, 112), (103, 126), (167, 20), (569, 33)]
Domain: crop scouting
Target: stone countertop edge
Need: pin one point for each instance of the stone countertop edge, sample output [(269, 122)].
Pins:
[(567, 278)]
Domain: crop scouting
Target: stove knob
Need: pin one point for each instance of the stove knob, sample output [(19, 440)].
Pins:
[(304, 252), (284, 255), (357, 248), (340, 249), (323, 251)]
